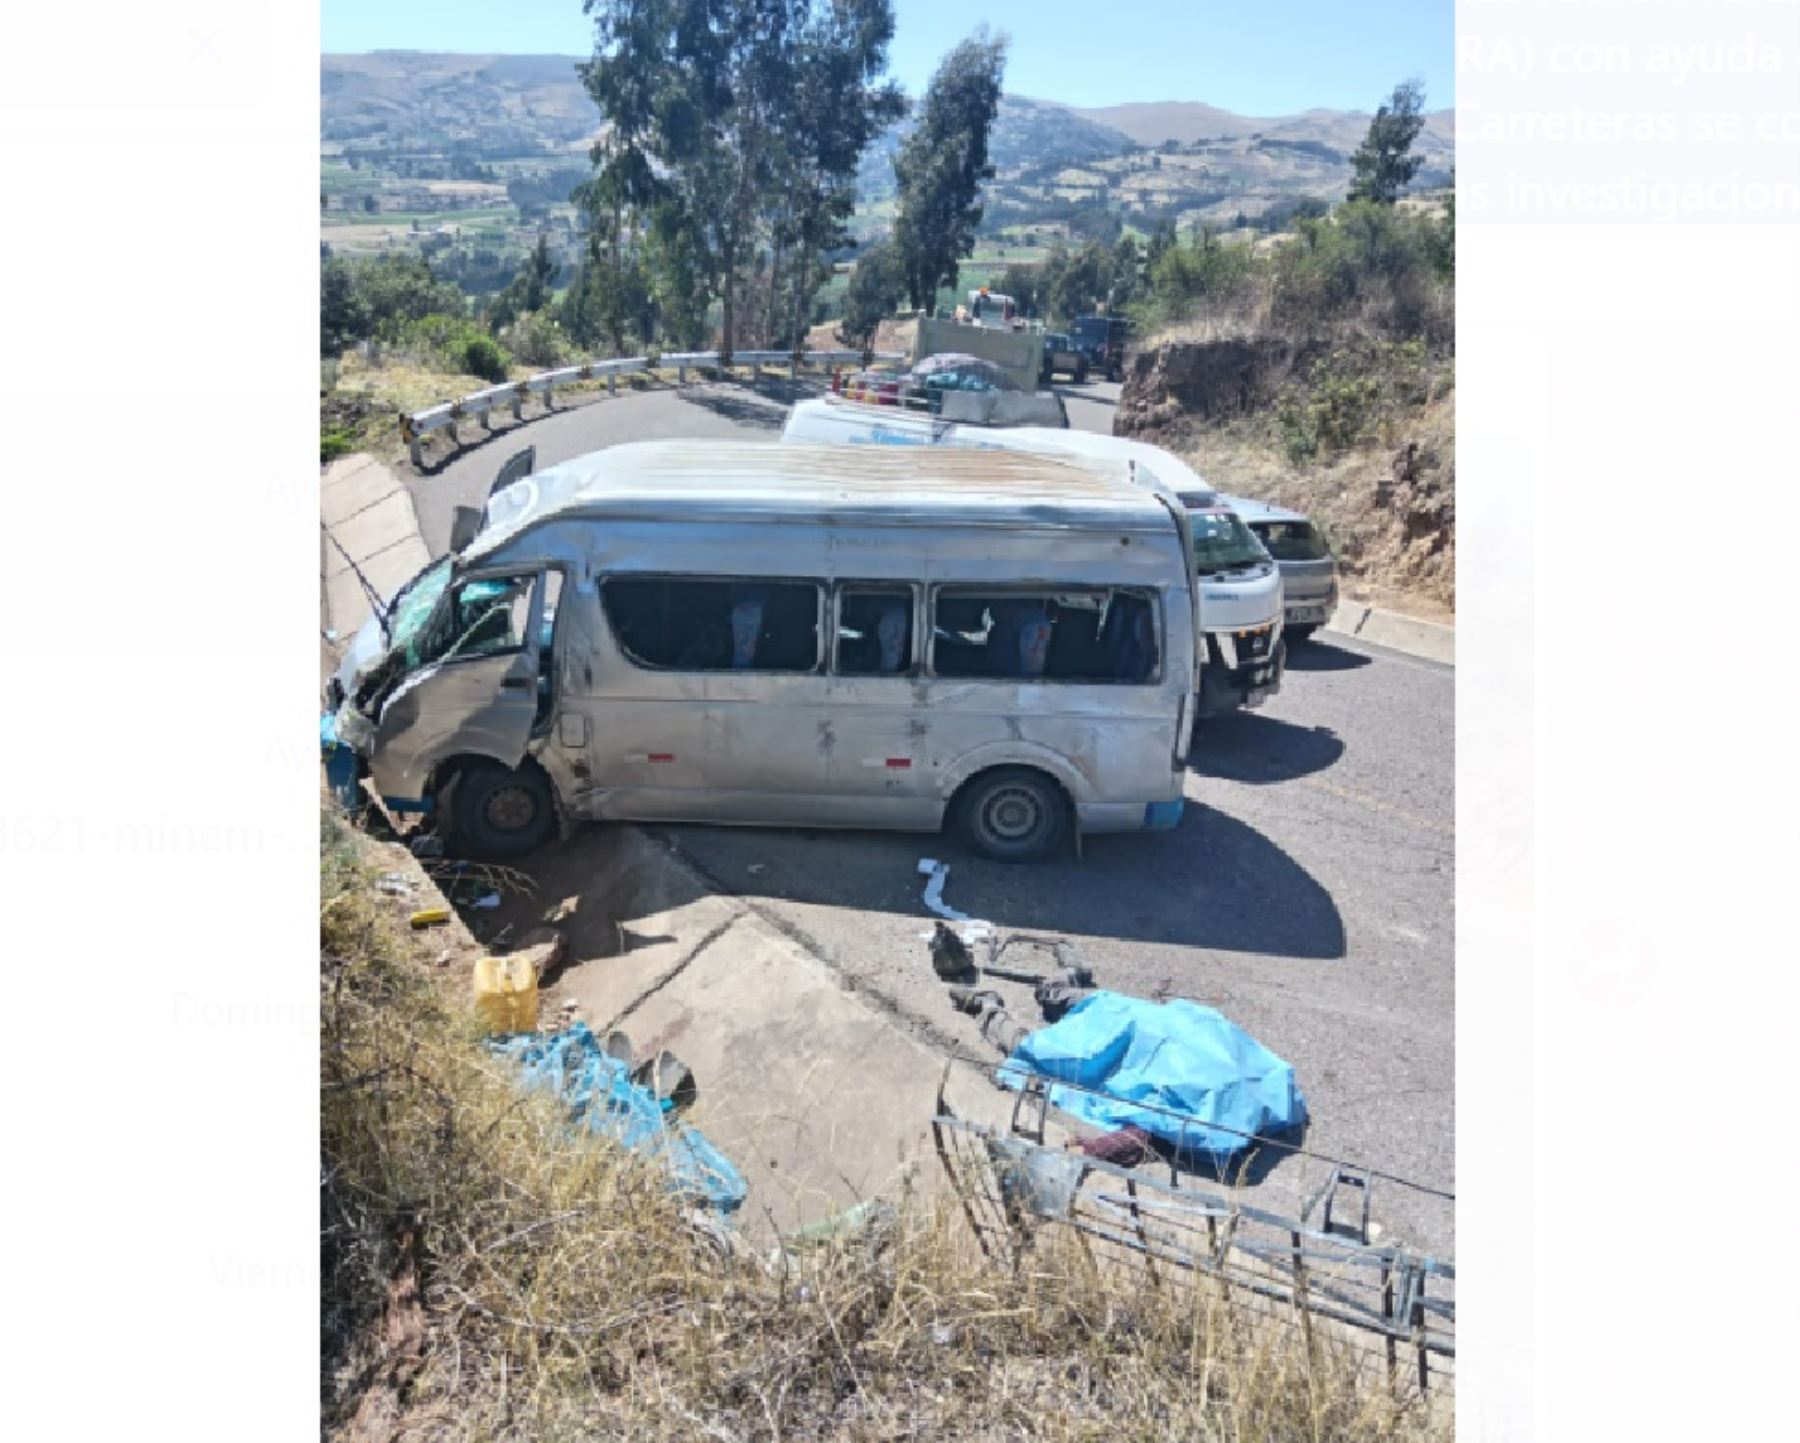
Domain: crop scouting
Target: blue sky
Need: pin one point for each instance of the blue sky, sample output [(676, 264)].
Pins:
[(1255, 57)]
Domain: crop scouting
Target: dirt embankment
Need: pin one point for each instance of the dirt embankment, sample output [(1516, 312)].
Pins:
[(1240, 409)]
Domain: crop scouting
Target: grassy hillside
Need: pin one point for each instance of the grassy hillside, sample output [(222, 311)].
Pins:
[(466, 157), (1320, 375)]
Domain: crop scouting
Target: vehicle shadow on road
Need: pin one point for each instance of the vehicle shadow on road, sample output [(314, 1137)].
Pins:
[(1316, 655), (762, 404), (1248, 747), (1213, 882)]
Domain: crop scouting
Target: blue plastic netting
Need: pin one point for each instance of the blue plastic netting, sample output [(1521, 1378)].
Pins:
[(603, 1098)]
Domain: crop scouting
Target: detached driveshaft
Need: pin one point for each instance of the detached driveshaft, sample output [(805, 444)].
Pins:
[(1055, 992)]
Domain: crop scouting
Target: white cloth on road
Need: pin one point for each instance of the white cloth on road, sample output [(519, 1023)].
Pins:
[(971, 929)]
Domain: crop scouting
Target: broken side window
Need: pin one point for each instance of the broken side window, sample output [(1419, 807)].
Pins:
[(874, 630), (485, 617), (1079, 634), (714, 624)]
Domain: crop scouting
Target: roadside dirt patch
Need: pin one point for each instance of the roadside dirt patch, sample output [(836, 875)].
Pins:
[(1388, 504)]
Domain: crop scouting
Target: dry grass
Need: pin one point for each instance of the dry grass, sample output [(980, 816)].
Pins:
[(488, 1275), (1395, 539), (368, 397)]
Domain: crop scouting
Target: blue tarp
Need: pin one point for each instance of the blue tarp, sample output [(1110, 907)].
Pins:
[(1176, 1055), (603, 1098), (340, 764)]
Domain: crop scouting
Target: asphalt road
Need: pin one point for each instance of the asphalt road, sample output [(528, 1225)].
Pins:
[(593, 421), (1308, 894)]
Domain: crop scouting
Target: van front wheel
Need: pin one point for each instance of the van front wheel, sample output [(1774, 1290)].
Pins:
[(502, 811), (1012, 814)]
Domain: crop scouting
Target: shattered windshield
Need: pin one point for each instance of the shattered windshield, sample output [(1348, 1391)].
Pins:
[(1222, 541), (413, 609)]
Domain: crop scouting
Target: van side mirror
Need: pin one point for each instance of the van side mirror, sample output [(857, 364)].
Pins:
[(465, 526)]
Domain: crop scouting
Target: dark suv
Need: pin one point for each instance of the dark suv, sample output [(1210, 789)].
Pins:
[(1102, 340)]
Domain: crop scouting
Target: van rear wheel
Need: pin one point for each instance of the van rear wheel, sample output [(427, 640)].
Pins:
[(502, 812), (1012, 814)]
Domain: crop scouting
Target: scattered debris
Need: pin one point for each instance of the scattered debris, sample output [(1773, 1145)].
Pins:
[(395, 884), (1059, 994), (467, 884), (871, 1220), (602, 1098), (1072, 968), (430, 917), (950, 957), (566, 1015), (487, 903), (1034, 1182), (1125, 1148), (506, 993), (989, 1010), (667, 1078), (973, 928), (427, 845)]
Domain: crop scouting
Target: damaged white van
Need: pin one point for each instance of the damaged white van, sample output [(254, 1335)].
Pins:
[(822, 636)]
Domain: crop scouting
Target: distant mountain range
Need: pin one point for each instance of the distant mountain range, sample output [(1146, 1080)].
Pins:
[(462, 127)]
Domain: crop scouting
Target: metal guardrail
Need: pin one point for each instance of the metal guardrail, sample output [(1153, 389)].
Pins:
[(513, 394), (1310, 1269)]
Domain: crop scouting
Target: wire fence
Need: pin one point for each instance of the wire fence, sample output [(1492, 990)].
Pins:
[(1316, 1269)]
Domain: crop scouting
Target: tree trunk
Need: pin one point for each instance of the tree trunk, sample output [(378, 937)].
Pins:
[(615, 313), (728, 297), (802, 255), (774, 309)]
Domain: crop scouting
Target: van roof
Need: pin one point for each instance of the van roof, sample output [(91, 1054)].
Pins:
[(1093, 447), (871, 485), (1261, 511)]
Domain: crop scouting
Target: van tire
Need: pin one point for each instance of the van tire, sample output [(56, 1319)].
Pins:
[(500, 812), (1012, 814), (1297, 634), (1081, 373)]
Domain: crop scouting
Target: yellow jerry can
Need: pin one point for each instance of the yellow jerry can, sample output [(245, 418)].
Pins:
[(506, 993)]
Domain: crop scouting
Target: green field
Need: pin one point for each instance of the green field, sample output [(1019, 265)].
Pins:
[(470, 219)]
